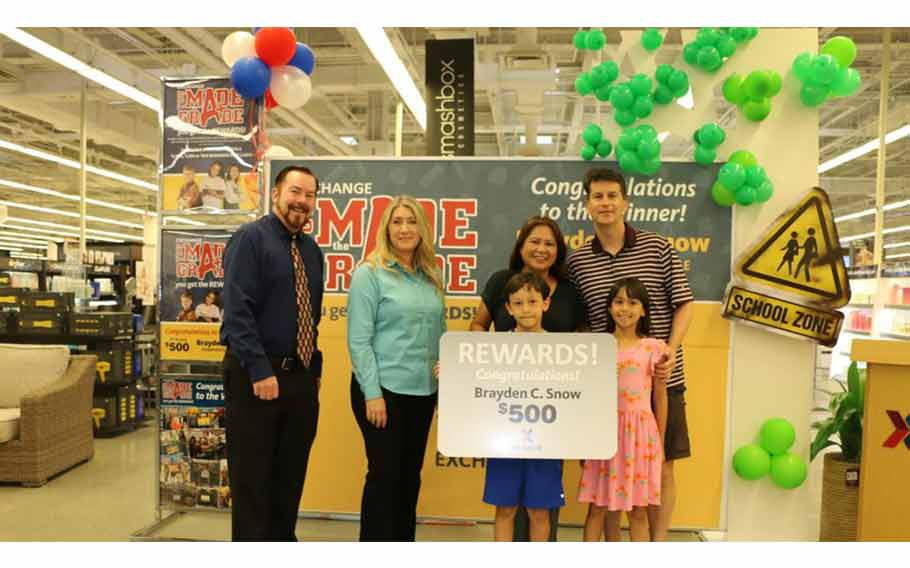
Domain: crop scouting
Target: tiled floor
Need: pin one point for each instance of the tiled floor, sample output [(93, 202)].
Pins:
[(113, 496)]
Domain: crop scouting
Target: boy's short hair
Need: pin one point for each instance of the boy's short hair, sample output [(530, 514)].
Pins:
[(186, 294), (526, 280)]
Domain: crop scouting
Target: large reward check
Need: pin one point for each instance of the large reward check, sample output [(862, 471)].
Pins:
[(528, 395)]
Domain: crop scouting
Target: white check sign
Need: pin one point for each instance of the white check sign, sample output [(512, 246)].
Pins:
[(528, 395)]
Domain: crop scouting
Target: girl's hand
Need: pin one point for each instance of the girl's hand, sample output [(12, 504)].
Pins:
[(436, 371)]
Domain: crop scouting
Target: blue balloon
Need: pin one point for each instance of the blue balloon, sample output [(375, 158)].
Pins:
[(304, 58), (250, 77)]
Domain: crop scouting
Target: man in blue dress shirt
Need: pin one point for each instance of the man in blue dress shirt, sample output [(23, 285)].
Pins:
[(273, 285)]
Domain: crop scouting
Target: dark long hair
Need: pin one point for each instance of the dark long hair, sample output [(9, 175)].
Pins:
[(516, 264), (635, 290)]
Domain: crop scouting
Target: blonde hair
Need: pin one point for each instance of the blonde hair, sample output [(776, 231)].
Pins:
[(424, 255)]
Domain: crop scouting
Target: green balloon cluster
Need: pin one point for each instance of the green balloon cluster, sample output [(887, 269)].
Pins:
[(638, 150), (651, 39), (707, 139), (672, 83), (827, 75), (632, 100), (753, 93), (593, 40), (595, 143), (599, 81), (712, 46), (753, 461), (741, 181)]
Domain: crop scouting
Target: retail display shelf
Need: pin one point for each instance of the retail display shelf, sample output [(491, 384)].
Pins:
[(858, 332), (897, 307), (864, 306), (904, 336)]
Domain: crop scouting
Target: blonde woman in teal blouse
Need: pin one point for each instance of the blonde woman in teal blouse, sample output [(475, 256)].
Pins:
[(396, 315)]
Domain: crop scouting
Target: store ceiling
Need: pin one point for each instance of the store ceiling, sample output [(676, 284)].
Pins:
[(40, 109)]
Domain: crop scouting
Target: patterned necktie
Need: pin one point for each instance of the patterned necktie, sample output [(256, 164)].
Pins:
[(304, 310)]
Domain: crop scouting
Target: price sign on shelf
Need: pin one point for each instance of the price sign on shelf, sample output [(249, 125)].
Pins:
[(181, 341), (528, 395)]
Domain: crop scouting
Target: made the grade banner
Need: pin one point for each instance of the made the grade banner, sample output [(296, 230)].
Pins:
[(476, 206), (527, 395)]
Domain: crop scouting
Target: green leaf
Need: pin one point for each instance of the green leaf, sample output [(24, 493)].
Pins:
[(853, 378), (822, 439)]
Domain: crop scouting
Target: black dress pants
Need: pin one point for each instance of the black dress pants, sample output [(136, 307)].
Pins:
[(268, 443), (388, 509)]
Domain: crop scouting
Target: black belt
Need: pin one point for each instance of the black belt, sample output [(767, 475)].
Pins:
[(286, 364)]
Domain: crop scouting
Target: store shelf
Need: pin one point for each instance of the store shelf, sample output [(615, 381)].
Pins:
[(897, 307), (857, 332), (861, 306), (904, 336)]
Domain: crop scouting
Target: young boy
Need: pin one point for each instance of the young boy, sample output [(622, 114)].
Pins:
[(534, 483)]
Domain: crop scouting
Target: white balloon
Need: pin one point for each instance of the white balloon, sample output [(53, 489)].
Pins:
[(290, 86), (278, 152), (237, 45)]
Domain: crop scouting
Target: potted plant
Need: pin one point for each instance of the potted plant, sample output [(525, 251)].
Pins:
[(840, 484)]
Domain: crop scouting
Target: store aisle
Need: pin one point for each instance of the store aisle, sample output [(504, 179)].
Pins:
[(113, 495)]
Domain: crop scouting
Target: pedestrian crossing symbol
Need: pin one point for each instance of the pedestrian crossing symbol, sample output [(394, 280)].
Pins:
[(801, 254)]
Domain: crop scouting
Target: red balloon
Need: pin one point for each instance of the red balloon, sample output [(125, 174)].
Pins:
[(270, 101), (275, 46)]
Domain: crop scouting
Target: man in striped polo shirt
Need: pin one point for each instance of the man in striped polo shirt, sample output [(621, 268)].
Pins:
[(619, 251)]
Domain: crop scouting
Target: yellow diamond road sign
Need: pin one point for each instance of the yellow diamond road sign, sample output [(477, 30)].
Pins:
[(800, 254)]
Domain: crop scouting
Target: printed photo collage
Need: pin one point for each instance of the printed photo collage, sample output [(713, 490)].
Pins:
[(194, 471)]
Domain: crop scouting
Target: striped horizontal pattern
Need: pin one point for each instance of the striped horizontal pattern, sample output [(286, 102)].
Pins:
[(646, 256)]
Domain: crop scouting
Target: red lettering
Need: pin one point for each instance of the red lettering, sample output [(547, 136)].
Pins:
[(351, 221), (455, 213), (339, 267), (459, 280)]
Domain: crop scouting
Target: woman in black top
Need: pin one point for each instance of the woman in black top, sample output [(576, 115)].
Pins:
[(539, 248)]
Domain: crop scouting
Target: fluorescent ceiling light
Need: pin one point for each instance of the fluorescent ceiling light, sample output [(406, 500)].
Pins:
[(869, 146), (857, 237), (902, 255), (867, 212), (28, 255), (71, 214), (59, 226), (5, 144), (71, 197), (22, 245), (542, 139), (890, 231), (897, 245), (87, 71), (349, 140), (185, 221), (66, 234), (71, 234), (10, 248), (381, 48), (32, 239), (687, 101)]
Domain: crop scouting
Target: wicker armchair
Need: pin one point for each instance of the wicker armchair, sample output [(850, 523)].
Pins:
[(55, 429)]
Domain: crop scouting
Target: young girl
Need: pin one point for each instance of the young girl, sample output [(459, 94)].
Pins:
[(630, 481)]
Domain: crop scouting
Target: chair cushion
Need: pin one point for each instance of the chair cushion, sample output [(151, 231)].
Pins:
[(27, 368), (9, 424)]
